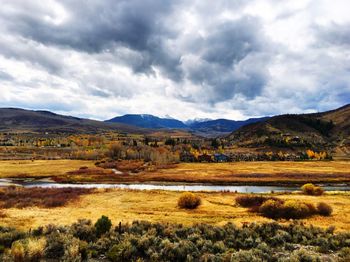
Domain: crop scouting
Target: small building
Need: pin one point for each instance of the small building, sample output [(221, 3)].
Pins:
[(221, 158)]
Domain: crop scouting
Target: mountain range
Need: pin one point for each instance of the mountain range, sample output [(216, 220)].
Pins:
[(22, 120), (327, 130), (205, 127)]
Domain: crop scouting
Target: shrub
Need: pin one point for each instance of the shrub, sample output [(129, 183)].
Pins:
[(35, 249), (83, 250), (344, 254), (324, 209), (146, 241), (303, 255), (189, 201), (9, 235), (271, 208), (295, 209), (84, 230), (252, 200), (288, 209), (17, 251), (38, 231), (54, 246), (71, 248), (121, 252), (102, 225), (312, 190)]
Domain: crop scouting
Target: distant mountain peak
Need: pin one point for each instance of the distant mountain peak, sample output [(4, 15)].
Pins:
[(200, 126), (197, 120), (148, 121)]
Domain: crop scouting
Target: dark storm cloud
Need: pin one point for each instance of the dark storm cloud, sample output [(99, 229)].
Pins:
[(231, 41), (100, 26), (136, 34), (231, 60)]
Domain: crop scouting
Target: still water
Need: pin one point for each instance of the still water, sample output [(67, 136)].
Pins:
[(171, 187)]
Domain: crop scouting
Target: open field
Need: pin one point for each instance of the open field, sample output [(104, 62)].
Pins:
[(40, 168), (254, 172), (161, 206), (219, 173)]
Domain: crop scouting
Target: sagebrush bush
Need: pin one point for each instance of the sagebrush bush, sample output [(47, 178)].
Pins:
[(189, 201), (311, 189), (17, 251), (123, 251), (35, 249), (9, 235), (304, 255), (102, 225), (324, 209), (84, 230), (54, 246), (145, 241)]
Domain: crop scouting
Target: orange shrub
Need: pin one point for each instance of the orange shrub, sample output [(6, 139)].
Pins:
[(252, 200), (271, 208), (324, 209), (189, 201), (287, 209), (311, 189)]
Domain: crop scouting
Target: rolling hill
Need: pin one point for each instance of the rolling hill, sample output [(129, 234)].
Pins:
[(21, 120), (321, 131)]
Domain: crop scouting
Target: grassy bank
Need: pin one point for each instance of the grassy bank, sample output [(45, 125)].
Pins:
[(217, 173)]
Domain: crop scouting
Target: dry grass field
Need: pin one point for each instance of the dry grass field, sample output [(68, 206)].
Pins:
[(271, 172), (220, 173), (161, 206), (40, 168)]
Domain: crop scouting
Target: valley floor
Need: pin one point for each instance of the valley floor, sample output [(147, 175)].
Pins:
[(161, 206), (255, 172)]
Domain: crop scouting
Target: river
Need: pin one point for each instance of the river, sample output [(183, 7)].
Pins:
[(171, 187)]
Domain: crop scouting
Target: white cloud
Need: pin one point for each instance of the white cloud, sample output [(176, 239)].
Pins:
[(221, 59)]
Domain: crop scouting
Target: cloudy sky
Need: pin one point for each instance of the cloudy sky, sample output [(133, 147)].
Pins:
[(186, 59)]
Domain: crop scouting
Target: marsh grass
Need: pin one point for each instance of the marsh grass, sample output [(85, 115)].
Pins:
[(19, 197)]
